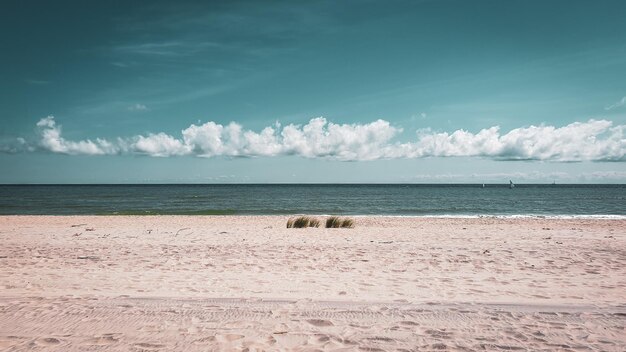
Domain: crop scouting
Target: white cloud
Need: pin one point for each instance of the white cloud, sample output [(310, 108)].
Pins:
[(596, 140), (621, 102), (138, 107), (159, 144), (320, 138), (591, 140), (52, 140), (15, 145)]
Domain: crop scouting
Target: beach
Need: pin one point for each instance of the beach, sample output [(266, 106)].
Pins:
[(201, 283)]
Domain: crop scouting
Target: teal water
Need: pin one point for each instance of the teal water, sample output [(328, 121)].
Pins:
[(348, 199)]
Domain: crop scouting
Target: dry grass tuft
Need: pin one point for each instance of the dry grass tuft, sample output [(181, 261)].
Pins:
[(336, 222), (302, 222), (347, 223), (333, 222)]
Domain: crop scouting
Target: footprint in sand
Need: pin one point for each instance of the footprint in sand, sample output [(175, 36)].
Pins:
[(439, 346), (48, 341), (204, 340), (144, 346), (320, 322), (323, 338), (104, 340), (380, 339), (442, 334)]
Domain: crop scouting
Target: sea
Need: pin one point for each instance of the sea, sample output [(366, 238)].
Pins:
[(440, 200)]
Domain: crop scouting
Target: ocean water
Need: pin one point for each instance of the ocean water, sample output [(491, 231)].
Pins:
[(340, 199)]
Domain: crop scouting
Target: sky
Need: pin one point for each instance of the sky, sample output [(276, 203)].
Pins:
[(313, 91)]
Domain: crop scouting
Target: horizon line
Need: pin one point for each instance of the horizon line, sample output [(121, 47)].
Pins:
[(505, 183)]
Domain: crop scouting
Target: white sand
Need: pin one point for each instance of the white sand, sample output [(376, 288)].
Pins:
[(89, 283)]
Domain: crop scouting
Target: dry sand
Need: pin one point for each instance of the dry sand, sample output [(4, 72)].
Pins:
[(178, 283)]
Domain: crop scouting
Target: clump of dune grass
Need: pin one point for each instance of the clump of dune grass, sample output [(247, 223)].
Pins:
[(336, 222), (348, 223), (333, 222), (302, 221)]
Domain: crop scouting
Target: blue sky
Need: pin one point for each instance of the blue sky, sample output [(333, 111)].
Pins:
[(182, 92)]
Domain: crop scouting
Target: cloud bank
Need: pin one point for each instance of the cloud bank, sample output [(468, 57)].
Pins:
[(594, 140), (530, 176)]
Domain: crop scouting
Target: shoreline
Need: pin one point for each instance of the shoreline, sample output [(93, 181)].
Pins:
[(196, 283), (441, 216)]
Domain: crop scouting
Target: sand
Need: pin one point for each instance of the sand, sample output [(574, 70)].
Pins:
[(196, 283)]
